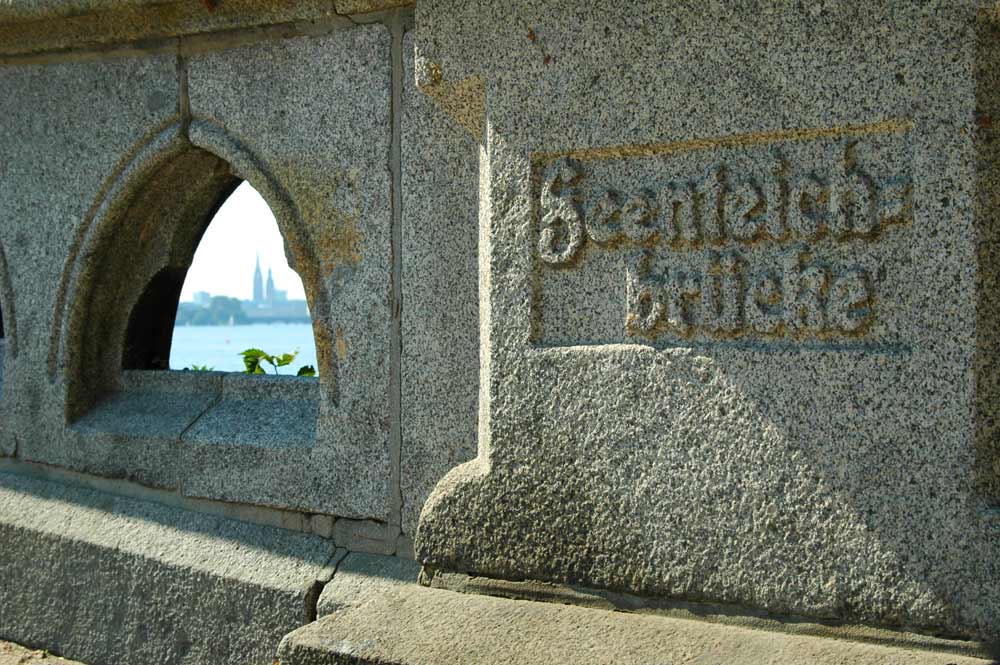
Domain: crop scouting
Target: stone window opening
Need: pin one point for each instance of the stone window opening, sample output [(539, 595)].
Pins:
[(240, 292), (124, 306)]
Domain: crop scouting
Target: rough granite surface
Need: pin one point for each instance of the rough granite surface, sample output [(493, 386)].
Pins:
[(110, 580), (52, 27), (361, 578), (314, 115), (440, 326), (66, 129), (732, 264), (104, 185), (275, 412), (410, 624)]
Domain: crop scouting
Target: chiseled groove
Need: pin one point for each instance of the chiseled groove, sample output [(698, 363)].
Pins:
[(394, 529), (891, 126), (7, 301), (183, 94)]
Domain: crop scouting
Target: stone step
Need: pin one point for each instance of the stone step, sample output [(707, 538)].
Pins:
[(107, 579), (378, 615)]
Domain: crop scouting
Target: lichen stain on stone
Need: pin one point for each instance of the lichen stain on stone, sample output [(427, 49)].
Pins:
[(341, 343), (338, 241), (333, 217)]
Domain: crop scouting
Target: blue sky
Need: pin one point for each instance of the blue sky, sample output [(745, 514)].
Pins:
[(223, 264)]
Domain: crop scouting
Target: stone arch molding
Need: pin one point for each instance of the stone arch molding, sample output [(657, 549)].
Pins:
[(149, 217)]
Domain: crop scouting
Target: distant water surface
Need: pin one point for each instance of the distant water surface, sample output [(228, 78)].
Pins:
[(219, 347)]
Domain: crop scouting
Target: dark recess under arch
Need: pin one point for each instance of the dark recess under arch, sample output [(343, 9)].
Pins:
[(131, 281)]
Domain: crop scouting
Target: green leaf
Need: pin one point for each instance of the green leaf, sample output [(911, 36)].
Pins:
[(252, 359), (287, 358), (306, 370), (258, 370)]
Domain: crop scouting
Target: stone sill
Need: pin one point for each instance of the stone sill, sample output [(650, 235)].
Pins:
[(213, 408)]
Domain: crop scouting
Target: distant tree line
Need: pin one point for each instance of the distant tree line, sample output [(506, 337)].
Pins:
[(220, 311)]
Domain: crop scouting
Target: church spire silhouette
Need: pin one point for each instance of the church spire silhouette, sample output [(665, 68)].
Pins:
[(269, 293), (258, 283)]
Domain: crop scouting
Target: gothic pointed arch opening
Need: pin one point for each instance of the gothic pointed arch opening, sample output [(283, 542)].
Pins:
[(127, 277), (229, 307)]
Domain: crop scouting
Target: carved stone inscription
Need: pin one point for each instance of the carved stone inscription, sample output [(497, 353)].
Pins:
[(776, 239)]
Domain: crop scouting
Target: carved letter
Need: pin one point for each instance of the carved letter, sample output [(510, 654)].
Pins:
[(707, 204), (776, 196), (763, 304), (805, 291), (896, 202), (677, 209), (603, 221), (851, 307), (808, 208), (721, 291), (561, 232), (681, 291), (645, 304), (744, 211), (853, 206), (638, 217)]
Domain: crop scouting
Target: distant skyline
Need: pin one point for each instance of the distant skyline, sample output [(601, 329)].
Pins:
[(223, 265)]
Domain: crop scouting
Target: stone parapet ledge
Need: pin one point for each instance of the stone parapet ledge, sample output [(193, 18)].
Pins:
[(109, 579), (377, 618), (33, 27)]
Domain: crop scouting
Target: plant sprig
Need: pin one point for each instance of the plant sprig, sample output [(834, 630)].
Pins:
[(253, 360)]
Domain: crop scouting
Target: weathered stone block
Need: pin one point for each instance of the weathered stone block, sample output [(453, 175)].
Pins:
[(361, 578), (739, 282), (440, 317), (36, 29), (274, 412), (105, 579), (117, 183), (314, 114), (13, 654), (67, 128)]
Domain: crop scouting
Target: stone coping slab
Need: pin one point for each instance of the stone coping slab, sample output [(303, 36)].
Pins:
[(108, 579), (28, 10), (412, 624), (47, 28)]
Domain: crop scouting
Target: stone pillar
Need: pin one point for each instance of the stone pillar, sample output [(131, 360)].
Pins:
[(738, 302)]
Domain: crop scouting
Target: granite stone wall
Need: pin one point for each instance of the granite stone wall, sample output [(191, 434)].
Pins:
[(672, 305)]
